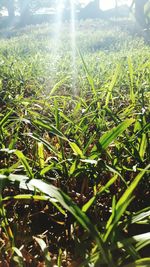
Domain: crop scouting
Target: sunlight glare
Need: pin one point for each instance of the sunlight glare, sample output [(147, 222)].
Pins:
[(73, 45), (58, 20)]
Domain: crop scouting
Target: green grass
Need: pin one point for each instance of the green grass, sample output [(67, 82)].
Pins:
[(74, 148)]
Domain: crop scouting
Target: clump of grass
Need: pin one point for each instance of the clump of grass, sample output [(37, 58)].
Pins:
[(74, 168)]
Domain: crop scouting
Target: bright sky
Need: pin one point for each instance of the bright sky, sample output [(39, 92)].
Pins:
[(108, 4)]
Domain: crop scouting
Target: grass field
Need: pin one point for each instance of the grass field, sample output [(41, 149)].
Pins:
[(74, 147)]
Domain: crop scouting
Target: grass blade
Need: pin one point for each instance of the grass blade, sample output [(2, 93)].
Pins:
[(140, 215), (143, 146), (25, 163), (5, 118), (52, 129), (57, 86), (76, 149), (69, 205), (145, 262), (88, 204), (45, 143), (131, 75), (41, 154), (112, 84), (45, 251), (110, 136), (123, 203), (89, 77), (19, 258)]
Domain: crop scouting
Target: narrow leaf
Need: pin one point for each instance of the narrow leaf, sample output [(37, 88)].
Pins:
[(88, 204), (112, 84), (89, 77), (52, 129), (76, 149), (23, 159), (5, 118), (69, 205), (145, 262), (110, 136), (45, 251), (131, 75), (57, 86), (41, 154), (123, 202)]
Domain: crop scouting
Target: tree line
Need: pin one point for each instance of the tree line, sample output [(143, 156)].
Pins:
[(27, 7)]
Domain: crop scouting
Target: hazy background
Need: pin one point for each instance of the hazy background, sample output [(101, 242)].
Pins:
[(108, 4)]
